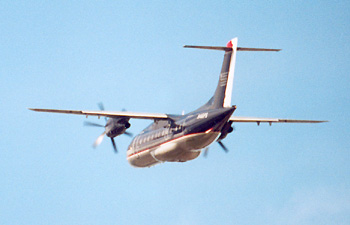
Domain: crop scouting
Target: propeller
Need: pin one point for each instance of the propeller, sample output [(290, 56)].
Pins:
[(205, 154), (206, 150), (99, 140), (102, 108), (223, 146), (114, 145), (228, 128), (114, 127), (128, 134), (87, 123)]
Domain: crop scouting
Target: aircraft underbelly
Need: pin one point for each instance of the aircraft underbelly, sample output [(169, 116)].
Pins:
[(142, 159), (181, 149), (198, 141)]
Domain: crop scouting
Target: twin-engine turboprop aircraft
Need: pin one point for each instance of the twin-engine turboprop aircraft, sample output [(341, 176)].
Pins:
[(180, 138)]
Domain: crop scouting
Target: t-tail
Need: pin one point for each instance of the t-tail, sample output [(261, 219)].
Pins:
[(223, 92)]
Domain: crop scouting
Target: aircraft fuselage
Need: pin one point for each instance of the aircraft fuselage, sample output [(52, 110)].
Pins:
[(179, 139)]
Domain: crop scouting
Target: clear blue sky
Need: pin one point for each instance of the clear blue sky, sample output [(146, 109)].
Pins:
[(128, 54)]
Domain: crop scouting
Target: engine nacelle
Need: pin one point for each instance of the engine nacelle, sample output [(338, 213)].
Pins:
[(226, 130)]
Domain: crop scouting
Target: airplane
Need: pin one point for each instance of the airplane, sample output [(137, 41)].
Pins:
[(181, 138)]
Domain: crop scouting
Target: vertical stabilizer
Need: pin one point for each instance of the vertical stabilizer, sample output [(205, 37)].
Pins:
[(223, 92), (231, 72)]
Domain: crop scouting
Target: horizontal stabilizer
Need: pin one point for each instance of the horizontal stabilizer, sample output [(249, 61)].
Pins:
[(209, 47), (258, 49), (230, 49)]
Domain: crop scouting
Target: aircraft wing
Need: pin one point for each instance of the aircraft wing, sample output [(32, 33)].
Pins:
[(134, 115), (237, 119)]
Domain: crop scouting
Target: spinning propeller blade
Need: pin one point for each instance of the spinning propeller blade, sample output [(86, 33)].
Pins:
[(99, 140), (223, 146), (206, 150), (101, 107), (114, 145), (87, 123), (128, 134), (205, 154)]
